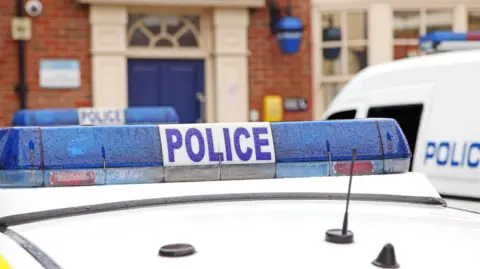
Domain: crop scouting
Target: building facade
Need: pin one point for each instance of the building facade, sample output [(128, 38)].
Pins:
[(383, 30), (212, 59), (215, 60)]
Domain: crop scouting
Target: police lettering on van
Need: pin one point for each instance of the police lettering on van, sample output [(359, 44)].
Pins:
[(454, 154), (101, 116), (204, 144)]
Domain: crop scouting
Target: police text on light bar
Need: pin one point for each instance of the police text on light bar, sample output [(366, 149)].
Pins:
[(97, 155)]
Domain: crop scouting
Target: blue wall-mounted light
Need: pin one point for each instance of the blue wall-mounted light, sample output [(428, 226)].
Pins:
[(287, 28)]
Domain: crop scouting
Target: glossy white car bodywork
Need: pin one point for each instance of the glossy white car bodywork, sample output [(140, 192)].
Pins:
[(283, 232)]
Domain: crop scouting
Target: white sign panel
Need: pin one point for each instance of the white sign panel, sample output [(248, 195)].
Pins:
[(101, 116), (60, 74), (210, 144)]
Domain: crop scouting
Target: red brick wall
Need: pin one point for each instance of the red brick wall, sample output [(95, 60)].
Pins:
[(401, 51), (61, 32), (271, 72)]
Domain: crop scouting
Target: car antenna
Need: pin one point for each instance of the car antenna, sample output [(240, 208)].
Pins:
[(343, 236)]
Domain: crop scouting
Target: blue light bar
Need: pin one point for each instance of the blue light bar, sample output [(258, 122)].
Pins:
[(97, 155), (449, 41), (440, 36), (95, 116)]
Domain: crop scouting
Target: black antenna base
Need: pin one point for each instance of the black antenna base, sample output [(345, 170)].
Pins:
[(337, 236), (386, 258)]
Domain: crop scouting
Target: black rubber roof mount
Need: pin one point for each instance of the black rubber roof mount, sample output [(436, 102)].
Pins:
[(337, 236), (176, 250), (386, 258)]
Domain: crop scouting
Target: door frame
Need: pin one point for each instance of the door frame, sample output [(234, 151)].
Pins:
[(204, 52)]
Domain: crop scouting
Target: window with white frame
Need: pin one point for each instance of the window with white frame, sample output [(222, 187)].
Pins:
[(350, 47), (163, 31), (474, 19), (410, 24)]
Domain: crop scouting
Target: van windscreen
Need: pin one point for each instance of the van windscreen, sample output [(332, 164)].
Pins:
[(343, 115)]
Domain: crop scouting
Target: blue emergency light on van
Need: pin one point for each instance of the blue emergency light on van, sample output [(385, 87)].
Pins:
[(95, 116), (99, 155), (443, 41)]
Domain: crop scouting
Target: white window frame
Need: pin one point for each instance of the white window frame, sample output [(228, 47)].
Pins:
[(320, 94), (423, 22), (344, 76), (344, 44), (467, 13)]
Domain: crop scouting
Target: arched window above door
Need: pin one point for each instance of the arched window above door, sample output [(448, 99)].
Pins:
[(163, 31)]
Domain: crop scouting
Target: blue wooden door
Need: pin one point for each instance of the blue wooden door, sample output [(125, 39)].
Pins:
[(167, 83)]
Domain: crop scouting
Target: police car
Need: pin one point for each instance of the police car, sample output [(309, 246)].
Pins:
[(434, 98), (333, 194), (88, 116)]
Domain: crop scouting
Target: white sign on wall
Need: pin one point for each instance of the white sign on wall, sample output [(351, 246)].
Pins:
[(60, 74)]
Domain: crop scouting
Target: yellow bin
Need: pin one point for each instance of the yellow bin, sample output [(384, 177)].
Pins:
[(272, 108)]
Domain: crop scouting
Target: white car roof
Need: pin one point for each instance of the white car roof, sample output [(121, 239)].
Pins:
[(268, 194), (79, 196), (278, 223)]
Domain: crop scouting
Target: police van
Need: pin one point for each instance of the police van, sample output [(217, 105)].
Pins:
[(322, 194), (435, 99)]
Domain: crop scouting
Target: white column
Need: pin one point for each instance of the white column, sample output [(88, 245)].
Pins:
[(109, 63), (230, 64), (380, 31), (460, 18)]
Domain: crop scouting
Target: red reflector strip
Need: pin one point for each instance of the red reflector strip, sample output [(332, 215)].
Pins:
[(360, 167), (473, 36), (68, 178)]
